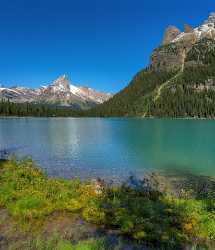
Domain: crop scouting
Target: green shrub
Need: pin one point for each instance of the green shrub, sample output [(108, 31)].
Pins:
[(142, 213)]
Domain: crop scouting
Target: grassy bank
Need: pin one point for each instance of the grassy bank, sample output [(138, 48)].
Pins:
[(139, 210)]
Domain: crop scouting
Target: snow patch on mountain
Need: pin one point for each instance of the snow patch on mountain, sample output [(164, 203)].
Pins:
[(207, 29)]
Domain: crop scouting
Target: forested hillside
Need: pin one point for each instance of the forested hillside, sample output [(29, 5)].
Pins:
[(170, 90), (122, 104)]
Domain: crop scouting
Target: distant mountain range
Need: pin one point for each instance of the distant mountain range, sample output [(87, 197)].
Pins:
[(60, 92), (179, 81)]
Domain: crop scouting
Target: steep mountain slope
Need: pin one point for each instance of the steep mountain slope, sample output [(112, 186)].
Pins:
[(122, 104), (191, 93), (179, 82), (60, 92)]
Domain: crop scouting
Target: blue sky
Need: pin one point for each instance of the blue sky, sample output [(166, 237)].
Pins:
[(97, 43)]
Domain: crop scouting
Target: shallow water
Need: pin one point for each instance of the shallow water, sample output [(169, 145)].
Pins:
[(111, 148)]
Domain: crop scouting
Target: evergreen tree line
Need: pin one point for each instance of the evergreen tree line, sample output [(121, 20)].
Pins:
[(8, 108), (184, 103)]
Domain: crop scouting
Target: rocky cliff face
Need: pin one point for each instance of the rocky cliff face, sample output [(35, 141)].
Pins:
[(60, 92), (175, 46), (168, 57)]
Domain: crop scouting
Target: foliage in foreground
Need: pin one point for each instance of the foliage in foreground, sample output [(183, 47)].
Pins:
[(139, 211), (56, 242)]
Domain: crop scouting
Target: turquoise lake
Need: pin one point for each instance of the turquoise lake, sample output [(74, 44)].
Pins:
[(111, 149)]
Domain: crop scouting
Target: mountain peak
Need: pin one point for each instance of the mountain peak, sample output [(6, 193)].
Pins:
[(191, 35), (59, 92), (62, 83), (177, 44), (61, 79), (211, 19)]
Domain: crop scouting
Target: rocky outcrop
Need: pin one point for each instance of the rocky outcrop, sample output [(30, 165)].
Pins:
[(205, 30), (187, 28), (170, 34)]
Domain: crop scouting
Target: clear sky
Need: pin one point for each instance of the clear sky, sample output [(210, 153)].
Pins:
[(97, 43)]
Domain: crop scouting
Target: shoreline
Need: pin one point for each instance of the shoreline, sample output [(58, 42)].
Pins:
[(100, 117)]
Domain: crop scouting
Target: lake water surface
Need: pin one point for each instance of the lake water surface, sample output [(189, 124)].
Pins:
[(111, 148)]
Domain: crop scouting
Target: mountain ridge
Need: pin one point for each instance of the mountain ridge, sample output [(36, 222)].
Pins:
[(59, 92)]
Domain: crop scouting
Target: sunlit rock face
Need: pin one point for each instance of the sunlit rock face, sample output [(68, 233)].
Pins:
[(170, 34)]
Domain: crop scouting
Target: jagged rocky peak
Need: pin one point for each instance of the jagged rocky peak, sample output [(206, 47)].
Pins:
[(170, 34), (62, 83), (211, 19), (191, 36)]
